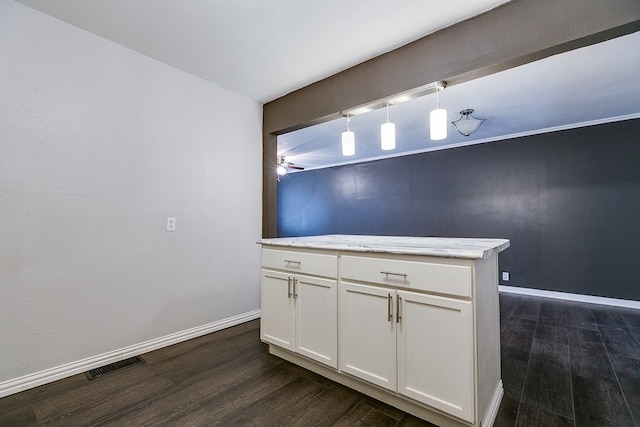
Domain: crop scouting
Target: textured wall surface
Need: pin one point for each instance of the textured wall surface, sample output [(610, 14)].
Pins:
[(569, 201), (98, 146)]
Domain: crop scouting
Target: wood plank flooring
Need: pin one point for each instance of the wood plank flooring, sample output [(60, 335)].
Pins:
[(568, 364), (563, 364)]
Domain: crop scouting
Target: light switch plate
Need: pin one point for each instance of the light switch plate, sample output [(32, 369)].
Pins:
[(171, 224), (505, 276)]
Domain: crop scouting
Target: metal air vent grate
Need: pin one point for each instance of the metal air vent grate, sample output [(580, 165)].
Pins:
[(111, 367)]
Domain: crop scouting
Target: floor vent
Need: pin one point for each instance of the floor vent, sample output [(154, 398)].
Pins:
[(112, 367)]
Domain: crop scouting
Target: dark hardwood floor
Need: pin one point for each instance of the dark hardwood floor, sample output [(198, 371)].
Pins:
[(564, 364), (568, 364)]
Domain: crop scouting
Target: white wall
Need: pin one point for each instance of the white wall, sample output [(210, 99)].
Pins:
[(98, 145)]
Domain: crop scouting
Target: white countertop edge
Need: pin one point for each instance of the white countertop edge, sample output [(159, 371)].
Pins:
[(403, 245)]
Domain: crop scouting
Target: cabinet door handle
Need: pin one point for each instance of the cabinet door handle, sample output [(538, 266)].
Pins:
[(389, 307), (398, 314), (391, 273), (289, 286), (295, 293), (290, 261)]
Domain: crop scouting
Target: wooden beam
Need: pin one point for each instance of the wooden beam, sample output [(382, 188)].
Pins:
[(269, 185)]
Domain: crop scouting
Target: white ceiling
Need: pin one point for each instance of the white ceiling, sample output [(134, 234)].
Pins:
[(265, 49), (262, 49)]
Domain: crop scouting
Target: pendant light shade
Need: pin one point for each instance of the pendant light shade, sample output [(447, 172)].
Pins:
[(348, 141), (438, 124), (467, 124), (388, 134), (438, 117)]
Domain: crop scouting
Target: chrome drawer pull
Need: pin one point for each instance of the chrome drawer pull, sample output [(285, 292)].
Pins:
[(290, 261), (390, 273)]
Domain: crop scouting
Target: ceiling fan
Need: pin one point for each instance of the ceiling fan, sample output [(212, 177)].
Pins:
[(282, 166)]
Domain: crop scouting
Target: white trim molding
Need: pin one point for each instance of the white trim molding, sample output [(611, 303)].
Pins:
[(616, 302), (494, 406), (49, 375)]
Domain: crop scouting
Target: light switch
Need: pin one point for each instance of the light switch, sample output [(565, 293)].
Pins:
[(171, 224), (505, 276)]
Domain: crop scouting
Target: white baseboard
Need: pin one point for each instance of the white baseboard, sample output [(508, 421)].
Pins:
[(494, 406), (49, 375), (571, 297)]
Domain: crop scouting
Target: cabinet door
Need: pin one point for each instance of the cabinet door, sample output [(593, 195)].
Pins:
[(367, 333), (435, 352), (277, 313), (316, 326)]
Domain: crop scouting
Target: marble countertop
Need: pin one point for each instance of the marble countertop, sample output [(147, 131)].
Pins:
[(431, 246)]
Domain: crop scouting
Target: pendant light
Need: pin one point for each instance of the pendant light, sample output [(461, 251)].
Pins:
[(388, 134), (438, 117), (467, 124), (348, 141)]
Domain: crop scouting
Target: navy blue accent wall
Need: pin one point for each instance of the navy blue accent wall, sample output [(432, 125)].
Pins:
[(569, 202)]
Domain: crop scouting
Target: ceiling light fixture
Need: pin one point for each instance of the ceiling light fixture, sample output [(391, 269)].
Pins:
[(387, 131), (388, 134), (283, 166), (467, 124), (438, 117), (348, 141), (398, 98)]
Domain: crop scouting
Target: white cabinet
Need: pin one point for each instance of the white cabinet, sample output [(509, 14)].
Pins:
[(316, 319), (435, 352), (417, 331), (277, 316), (418, 345), (299, 312), (368, 334)]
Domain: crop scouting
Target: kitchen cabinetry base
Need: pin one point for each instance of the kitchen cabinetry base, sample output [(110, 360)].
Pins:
[(406, 405)]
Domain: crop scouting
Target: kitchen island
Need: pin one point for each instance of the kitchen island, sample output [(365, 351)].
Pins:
[(410, 321)]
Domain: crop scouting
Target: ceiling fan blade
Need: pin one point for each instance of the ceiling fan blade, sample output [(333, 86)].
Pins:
[(300, 168)]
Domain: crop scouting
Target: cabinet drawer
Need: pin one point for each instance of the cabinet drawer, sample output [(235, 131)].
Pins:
[(424, 276), (301, 262)]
